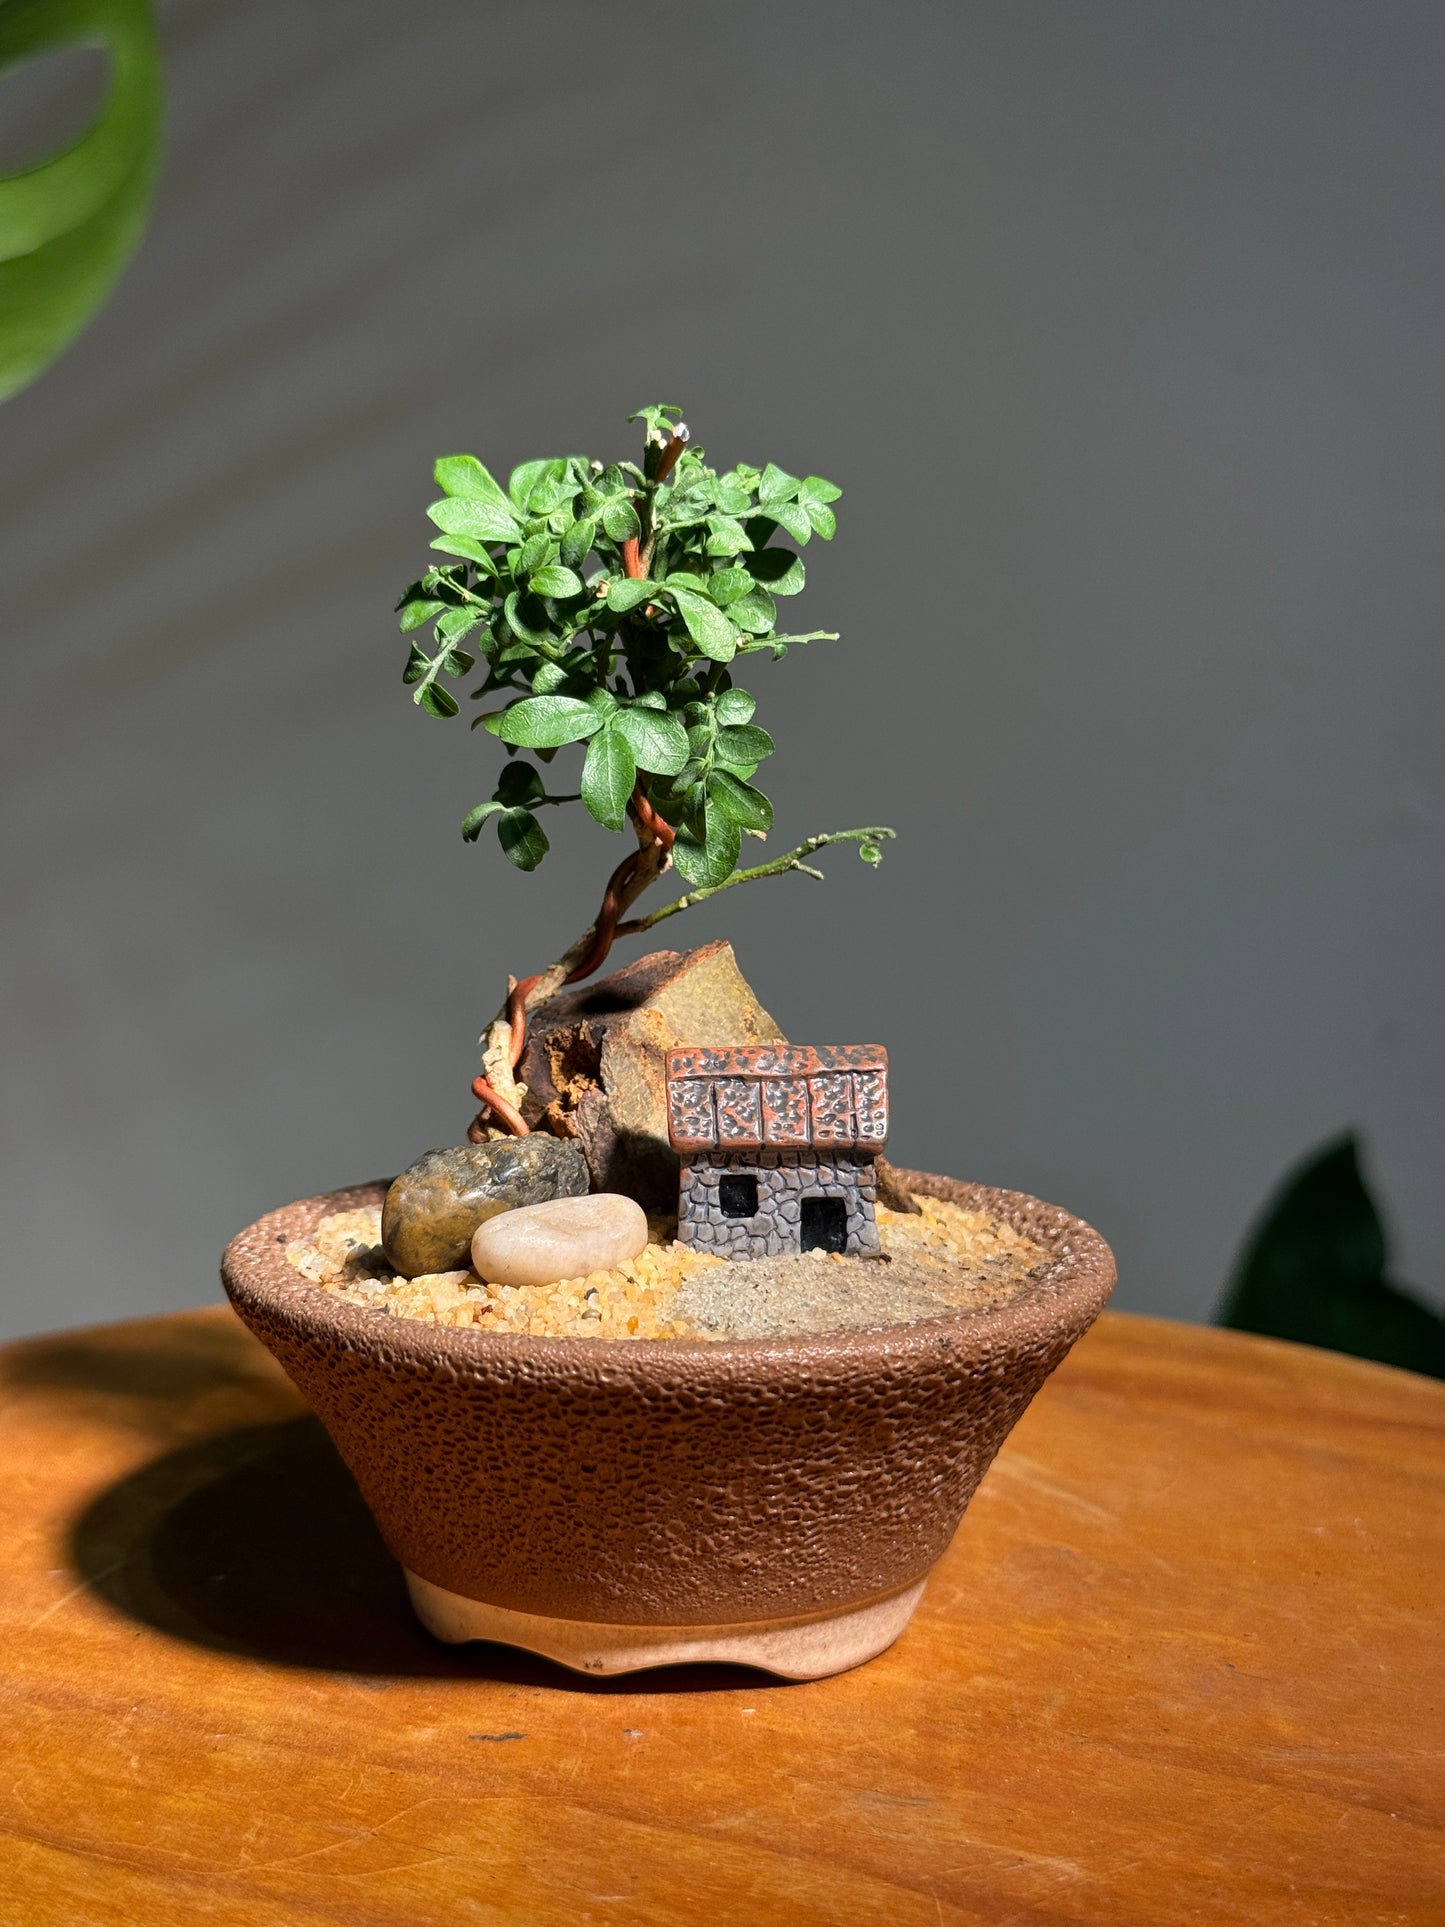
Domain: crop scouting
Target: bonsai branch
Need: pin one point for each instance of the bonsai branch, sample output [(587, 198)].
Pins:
[(505, 1039), (778, 867)]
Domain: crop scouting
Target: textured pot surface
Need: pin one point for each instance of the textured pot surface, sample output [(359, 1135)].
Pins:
[(666, 1481)]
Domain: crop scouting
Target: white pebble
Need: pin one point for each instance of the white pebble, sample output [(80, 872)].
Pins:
[(537, 1244)]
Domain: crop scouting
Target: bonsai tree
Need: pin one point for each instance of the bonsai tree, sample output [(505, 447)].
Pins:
[(610, 605)]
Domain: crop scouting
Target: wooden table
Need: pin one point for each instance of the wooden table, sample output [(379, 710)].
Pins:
[(1182, 1663)]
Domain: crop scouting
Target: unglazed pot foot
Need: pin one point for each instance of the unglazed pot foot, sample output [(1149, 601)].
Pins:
[(811, 1647)]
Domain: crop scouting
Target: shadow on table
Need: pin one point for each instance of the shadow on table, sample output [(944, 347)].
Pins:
[(257, 1543)]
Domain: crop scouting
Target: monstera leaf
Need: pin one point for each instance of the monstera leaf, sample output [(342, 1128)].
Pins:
[(1317, 1270), (68, 227)]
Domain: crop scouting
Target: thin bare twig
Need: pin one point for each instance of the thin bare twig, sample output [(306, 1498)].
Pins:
[(778, 867)]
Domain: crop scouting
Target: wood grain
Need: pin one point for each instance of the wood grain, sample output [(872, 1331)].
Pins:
[(1182, 1664)]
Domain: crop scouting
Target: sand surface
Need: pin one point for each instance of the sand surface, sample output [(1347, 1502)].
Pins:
[(942, 1259)]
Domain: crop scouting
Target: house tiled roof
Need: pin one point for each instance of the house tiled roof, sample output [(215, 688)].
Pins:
[(781, 1096)]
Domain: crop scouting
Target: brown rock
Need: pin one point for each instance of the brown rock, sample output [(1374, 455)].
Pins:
[(436, 1204), (600, 1053)]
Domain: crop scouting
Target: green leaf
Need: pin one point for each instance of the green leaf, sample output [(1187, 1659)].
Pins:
[(474, 819), (484, 521), (608, 776), (534, 553), (744, 743), (468, 548), (726, 535), (414, 614), (523, 840), (1316, 1270), (520, 784), (712, 860), (547, 722), (779, 569), (792, 517), (577, 542), (735, 706), (525, 477), (620, 521), (527, 619), (813, 489), (755, 612), (68, 227), (731, 499), (777, 485), (709, 628), (823, 520), (556, 581), (726, 585), (436, 701), (658, 741), (457, 623), (870, 854), (464, 476), (686, 579), (739, 801), (417, 664), (624, 593)]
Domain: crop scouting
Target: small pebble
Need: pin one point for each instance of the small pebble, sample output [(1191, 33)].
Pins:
[(570, 1238), (436, 1204)]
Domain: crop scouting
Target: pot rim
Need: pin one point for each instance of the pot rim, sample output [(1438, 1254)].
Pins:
[(1069, 1292)]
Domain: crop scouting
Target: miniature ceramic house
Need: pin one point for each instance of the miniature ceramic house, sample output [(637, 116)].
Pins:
[(778, 1144)]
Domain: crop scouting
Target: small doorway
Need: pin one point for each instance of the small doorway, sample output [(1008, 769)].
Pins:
[(824, 1224)]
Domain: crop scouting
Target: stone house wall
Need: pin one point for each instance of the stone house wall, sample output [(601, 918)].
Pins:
[(792, 1186)]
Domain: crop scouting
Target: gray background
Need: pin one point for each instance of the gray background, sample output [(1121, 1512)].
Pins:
[(1119, 325)]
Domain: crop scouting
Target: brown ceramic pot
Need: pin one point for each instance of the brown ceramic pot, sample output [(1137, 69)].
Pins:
[(625, 1503)]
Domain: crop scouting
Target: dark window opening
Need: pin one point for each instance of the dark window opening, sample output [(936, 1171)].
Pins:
[(824, 1224), (738, 1197)]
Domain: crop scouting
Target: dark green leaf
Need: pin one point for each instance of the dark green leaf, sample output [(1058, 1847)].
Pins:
[(417, 664), (624, 593), (1316, 1271), (474, 819), (534, 552), (709, 628), (527, 618), (547, 722), (608, 775), (620, 521), (577, 542), (523, 840), (556, 581), (519, 785), (436, 701), (779, 569), (658, 741), (735, 706), (712, 860), (744, 743), (747, 807)]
